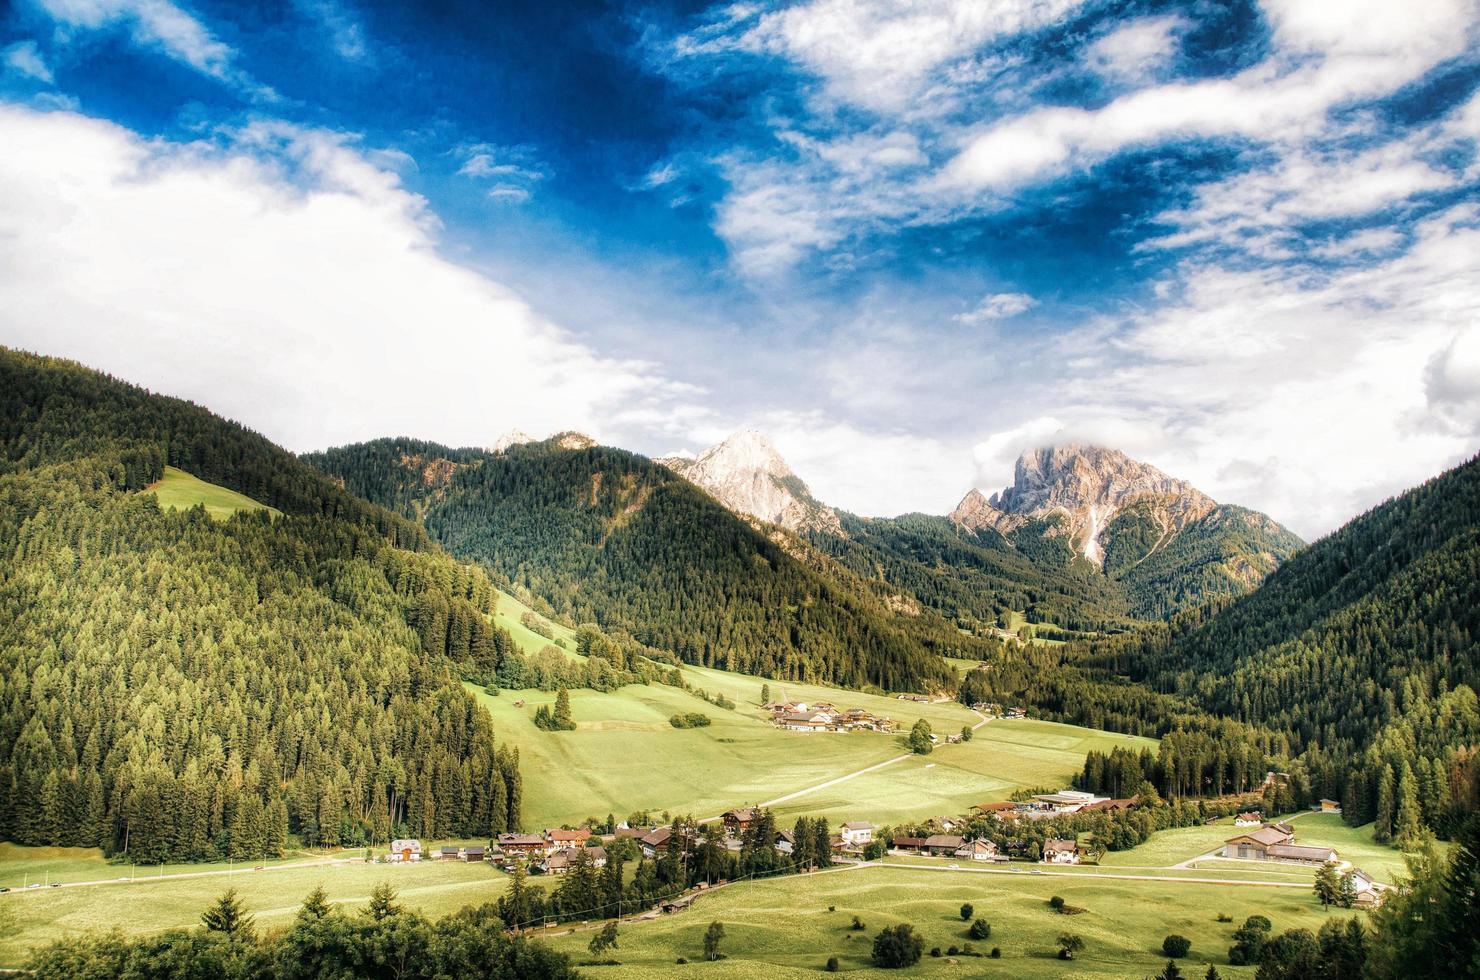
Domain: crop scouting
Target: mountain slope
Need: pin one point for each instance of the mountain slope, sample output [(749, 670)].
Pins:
[(611, 537), (1168, 545), (1364, 648), (748, 475), (181, 687)]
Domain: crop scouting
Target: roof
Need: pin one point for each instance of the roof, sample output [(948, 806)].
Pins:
[(1124, 804), (1264, 836), (597, 853), (980, 845), (787, 836), (568, 835), (944, 840), (474, 849), (858, 825), (995, 807), (742, 813), (1302, 852), (658, 836), (520, 840), (811, 717), (450, 850), (1254, 815), (1059, 844), (909, 842)]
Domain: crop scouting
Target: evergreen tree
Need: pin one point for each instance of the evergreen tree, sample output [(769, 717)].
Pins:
[(229, 917)]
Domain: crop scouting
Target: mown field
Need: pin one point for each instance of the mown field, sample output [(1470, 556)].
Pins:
[(146, 905), (783, 928), (625, 756), (178, 490)]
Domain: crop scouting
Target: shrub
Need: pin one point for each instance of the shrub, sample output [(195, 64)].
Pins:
[(897, 947), (832, 964), (1176, 946), (1224, 917), (996, 953), (858, 924), (934, 950), (952, 951), (680, 961), (980, 929), (966, 911), (1056, 903), (832, 908), (691, 719)]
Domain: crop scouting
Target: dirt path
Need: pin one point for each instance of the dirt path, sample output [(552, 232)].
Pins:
[(824, 785)]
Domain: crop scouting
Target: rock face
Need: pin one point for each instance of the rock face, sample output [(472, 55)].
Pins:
[(748, 475), (514, 437), (1078, 491)]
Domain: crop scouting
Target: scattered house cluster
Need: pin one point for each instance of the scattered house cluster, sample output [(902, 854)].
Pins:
[(405, 851), (1046, 805), (1275, 842), (799, 716)]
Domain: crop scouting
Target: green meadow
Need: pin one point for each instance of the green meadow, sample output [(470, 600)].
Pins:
[(145, 905), (783, 927), (178, 490), (625, 756), (510, 615)]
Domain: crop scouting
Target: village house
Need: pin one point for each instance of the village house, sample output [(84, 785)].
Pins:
[(912, 697), (786, 842), (856, 833), (1367, 892), (523, 845), (909, 843), (450, 853), (1330, 806), (1110, 806), (738, 820), (1016, 713), (474, 853), (565, 838), (980, 850), (1067, 801), (1057, 850), (405, 850), (806, 721), (997, 809), (1251, 819)]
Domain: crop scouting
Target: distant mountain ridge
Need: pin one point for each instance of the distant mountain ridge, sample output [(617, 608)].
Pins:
[(747, 474), (1167, 542)]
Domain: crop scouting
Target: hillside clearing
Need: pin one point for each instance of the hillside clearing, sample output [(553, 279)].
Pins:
[(178, 490)]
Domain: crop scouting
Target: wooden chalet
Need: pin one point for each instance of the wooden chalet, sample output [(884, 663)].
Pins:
[(739, 819), (525, 845), (1059, 850), (944, 843)]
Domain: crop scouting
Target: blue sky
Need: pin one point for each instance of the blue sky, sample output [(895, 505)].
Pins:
[(1238, 240)]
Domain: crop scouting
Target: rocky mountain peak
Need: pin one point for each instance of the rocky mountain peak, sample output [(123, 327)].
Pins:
[(514, 437), (1084, 487), (747, 474)]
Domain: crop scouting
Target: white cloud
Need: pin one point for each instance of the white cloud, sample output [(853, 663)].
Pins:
[(1326, 55), (881, 53), (24, 58), (1136, 51), (1452, 383), (344, 30), (285, 281), (163, 25), (998, 306)]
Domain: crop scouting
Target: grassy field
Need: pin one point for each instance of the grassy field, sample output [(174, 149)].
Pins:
[(510, 615), (143, 906), (20, 866), (179, 490), (625, 756), (782, 928)]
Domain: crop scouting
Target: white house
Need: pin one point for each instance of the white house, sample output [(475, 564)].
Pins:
[(856, 833), (1251, 819), (405, 850), (1056, 850), (979, 850)]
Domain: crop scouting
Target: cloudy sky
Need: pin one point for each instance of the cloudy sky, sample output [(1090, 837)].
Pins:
[(1240, 240)]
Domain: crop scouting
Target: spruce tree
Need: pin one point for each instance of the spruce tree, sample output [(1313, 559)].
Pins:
[(228, 915), (1382, 829)]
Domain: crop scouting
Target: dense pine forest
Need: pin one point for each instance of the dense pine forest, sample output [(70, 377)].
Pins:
[(177, 688), (610, 537)]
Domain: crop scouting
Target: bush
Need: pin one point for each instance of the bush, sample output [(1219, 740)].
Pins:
[(996, 953), (1056, 903), (680, 961), (1224, 917), (691, 719), (934, 950), (980, 929), (966, 911), (857, 924), (832, 964), (1176, 946), (897, 947), (952, 951)]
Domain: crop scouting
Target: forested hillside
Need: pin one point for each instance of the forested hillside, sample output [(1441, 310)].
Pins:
[(1364, 649), (180, 688), (610, 537)]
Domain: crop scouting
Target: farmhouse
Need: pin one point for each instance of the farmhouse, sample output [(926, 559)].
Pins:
[(1251, 819), (739, 819), (1057, 850), (909, 843), (1067, 801), (806, 721), (1016, 713), (1275, 842), (450, 853), (1330, 806), (474, 852), (405, 850), (529, 845), (944, 843), (566, 837), (1110, 805), (857, 833), (996, 809), (786, 841), (980, 850)]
